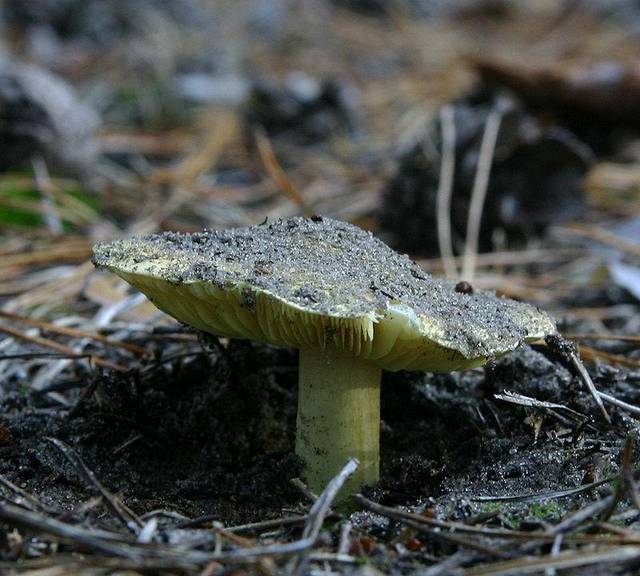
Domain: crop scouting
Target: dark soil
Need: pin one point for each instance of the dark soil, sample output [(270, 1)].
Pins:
[(213, 433)]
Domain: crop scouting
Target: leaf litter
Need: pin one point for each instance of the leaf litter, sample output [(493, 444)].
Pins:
[(128, 443)]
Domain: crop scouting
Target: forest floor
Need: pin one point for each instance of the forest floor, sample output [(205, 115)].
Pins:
[(131, 444)]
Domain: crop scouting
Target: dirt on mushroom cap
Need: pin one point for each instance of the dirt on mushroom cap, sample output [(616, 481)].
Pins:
[(330, 268)]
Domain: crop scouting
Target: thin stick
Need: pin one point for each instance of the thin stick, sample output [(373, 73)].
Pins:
[(45, 187), (604, 337), (523, 400), (28, 501), (274, 170), (59, 347), (345, 538), (620, 404), (300, 485), (625, 473), (583, 514), (47, 355), (131, 440), (506, 258), (67, 252), (268, 524), (322, 505), (100, 540), (86, 393), (586, 378), (445, 191), (567, 353), (529, 537), (591, 354), (571, 559), (119, 509), (555, 551), (553, 494), (319, 512), (73, 332), (479, 193), (634, 495), (605, 237)]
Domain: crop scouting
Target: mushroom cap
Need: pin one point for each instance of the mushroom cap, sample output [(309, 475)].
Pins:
[(321, 283)]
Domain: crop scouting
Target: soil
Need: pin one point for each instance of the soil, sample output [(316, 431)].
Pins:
[(213, 433)]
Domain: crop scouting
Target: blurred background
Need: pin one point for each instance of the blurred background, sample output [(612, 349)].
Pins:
[(495, 141)]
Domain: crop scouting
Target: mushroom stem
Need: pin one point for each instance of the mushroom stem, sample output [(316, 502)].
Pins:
[(338, 418)]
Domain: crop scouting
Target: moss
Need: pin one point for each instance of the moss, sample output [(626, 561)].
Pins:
[(508, 518), (549, 510)]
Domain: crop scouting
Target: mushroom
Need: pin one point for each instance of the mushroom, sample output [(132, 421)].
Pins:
[(348, 302)]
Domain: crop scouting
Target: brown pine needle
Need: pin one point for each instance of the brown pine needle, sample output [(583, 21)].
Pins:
[(590, 354), (507, 258), (607, 337), (45, 342), (73, 332), (220, 131), (605, 237), (65, 252), (274, 170)]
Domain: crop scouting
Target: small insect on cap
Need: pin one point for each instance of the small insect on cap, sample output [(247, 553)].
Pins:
[(321, 283)]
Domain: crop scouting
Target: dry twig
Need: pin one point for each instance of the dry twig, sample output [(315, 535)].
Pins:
[(445, 191), (479, 193)]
